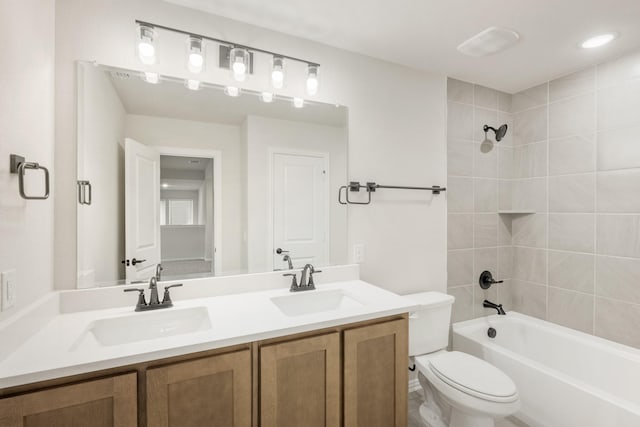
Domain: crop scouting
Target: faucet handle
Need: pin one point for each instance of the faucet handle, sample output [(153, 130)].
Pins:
[(141, 299), (311, 273), (166, 298), (294, 281)]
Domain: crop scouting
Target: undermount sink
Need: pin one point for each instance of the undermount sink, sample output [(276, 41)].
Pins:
[(146, 326), (307, 302)]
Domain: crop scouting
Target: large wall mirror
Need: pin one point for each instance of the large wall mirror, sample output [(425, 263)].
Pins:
[(204, 183)]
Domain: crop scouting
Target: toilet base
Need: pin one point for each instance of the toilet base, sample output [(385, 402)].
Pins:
[(460, 419), (430, 417)]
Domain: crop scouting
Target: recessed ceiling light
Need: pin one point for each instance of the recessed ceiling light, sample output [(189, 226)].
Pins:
[(599, 40)]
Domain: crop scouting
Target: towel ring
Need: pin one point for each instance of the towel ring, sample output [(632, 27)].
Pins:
[(19, 166)]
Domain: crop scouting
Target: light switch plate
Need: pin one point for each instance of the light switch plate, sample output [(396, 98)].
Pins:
[(8, 290)]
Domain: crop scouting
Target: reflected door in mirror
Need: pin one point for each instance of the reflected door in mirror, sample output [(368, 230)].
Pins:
[(300, 209)]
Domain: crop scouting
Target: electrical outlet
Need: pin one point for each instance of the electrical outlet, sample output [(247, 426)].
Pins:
[(8, 290), (358, 253)]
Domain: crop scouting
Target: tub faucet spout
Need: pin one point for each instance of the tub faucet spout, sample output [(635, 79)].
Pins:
[(498, 307)]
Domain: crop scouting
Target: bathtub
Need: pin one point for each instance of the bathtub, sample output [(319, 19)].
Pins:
[(565, 378)]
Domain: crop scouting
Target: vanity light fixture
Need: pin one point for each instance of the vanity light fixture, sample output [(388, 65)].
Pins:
[(195, 54), (312, 79), (599, 40), (277, 72), (146, 44), (192, 84), (298, 102), (237, 57), (153, 78), (232, 91), (266, 97)]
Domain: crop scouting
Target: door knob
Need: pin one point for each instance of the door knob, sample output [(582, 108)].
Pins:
[(280, 251), (137, 261)]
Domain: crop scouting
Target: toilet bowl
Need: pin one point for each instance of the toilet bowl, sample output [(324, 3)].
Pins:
[(460, 390)]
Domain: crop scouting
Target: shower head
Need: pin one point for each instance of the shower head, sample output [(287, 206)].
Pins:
[(500, 132)]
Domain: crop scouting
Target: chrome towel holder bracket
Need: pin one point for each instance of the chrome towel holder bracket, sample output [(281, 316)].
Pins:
[(18, 165)]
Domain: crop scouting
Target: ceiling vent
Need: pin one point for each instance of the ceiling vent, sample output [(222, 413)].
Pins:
[(488, 42), (121, 75)]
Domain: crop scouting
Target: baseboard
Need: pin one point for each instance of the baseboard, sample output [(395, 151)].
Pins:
[(414, 385)]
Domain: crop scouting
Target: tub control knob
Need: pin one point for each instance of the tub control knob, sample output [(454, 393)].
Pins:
[(486, 280)]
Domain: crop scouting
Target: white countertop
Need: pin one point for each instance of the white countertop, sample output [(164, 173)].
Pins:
[(63, 346)]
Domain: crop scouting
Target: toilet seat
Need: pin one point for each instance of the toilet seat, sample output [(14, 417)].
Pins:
[(469, 383), (473, 376)]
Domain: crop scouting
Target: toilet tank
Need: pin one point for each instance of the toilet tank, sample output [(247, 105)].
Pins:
[(429, 325)]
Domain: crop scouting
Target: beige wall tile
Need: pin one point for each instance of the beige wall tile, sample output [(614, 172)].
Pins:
[(572, 193), (530, 194), (460, 158), (485, 230), (619, 148), (573, 84), (463, 305), (618, 321), (485, 97), (619, 191), (530, 126), (505, 263), (459, 91), (573, 154), (459, 194), (572, 232), (571, 309), (460, 267), (530, 98), (619, 106), (485, 160), (530, 265), (485, 195), (618, 235), (459, 121), (460, 231), (618, 278), (573, 271), (619, 71), (572, 116), (529, 230), (528, 298), (505, 102), (530, 160)]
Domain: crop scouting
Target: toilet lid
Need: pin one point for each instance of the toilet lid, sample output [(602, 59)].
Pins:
[(472, 375)]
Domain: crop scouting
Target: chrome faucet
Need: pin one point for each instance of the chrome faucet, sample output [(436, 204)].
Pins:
[(498, 307), (159, 269), (306, 280), (154, 302), (287, 258)]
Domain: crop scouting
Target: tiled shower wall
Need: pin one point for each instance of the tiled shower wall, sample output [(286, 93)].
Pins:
[(575, 163), (478, 237)]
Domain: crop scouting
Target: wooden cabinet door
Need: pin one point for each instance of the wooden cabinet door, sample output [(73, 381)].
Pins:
[(214, 391), (300, 382), (375, 375), (99, 403)]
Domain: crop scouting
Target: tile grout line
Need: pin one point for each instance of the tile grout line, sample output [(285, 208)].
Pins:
[(595, 199)]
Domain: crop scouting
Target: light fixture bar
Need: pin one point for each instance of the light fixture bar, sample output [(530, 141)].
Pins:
[(226, 42)]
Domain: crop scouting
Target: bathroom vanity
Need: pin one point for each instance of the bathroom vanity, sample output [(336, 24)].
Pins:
[(341, 361)]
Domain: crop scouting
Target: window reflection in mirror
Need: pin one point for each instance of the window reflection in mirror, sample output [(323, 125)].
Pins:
[(203, 183)]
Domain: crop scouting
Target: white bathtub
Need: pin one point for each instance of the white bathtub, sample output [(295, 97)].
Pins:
[(565, 378)]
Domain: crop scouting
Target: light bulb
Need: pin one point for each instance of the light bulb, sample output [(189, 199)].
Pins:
[(298, 102), (153, 78), (146, 47), (232, 91), (266, 97), (312, 79), (192, 84), (195, 54), (239, 62), (277, 72)]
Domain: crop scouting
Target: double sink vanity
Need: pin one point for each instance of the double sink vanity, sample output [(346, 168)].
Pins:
[(232, 351)]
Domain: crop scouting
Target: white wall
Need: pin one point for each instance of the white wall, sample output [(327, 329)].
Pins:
[(101, 161), (264, 134), (157, 131), (397, 122), (26, 128)]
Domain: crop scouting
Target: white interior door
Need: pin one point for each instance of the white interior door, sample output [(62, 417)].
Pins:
[(300, 209), (142, 209)]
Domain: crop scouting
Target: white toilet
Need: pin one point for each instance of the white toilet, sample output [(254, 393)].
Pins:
[(460, 390)]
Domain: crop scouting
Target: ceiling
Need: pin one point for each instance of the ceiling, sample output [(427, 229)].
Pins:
[(424, 34), (171, 99)]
